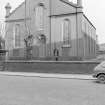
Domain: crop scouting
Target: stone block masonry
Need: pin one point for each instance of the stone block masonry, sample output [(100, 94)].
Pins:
[(61, 67)]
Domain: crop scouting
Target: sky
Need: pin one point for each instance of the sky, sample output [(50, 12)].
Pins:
[(92, 9)]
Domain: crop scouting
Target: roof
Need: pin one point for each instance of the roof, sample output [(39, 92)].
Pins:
[(16, 9), (89, 21), (69, 3)]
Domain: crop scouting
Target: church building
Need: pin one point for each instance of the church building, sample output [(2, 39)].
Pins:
[(52, 24)]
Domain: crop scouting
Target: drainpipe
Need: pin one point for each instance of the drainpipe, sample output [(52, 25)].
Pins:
[(78, 11), (77, 30), (50, 25), (25, 16)]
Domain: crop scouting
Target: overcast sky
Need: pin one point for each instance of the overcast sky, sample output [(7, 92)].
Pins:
[(92, 9)]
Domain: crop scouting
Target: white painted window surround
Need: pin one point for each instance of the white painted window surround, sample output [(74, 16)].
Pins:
[(17, 36), (66, 33)]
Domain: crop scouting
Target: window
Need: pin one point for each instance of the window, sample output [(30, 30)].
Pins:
[(17, 36), (39, 17), (91, 42), (66, 32), (89, 31), (83, 26)]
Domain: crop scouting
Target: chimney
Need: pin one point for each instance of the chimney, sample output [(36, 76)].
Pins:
[(8, 8), (79, 3)]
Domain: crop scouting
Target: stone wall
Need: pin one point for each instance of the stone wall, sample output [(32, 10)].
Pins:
[(62, 67)]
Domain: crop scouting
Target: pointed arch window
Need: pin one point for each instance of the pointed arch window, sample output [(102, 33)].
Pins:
[(39, 17), (66, 32)]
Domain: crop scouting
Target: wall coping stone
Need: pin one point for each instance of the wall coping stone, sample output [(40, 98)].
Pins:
[(57, 62)]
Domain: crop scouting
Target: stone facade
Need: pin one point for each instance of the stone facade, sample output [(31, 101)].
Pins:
[(62, 24)]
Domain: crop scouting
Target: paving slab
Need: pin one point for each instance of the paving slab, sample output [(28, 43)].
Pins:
[(47, 75)]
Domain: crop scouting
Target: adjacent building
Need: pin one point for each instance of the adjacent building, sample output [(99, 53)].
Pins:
[(54, 24), (2, 43)]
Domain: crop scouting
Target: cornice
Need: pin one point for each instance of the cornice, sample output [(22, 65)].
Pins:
[(17, 20)]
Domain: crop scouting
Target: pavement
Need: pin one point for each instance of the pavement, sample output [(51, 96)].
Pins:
[(47, 75)]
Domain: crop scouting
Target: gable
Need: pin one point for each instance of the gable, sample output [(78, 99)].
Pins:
[(59, 7), (18, 13)]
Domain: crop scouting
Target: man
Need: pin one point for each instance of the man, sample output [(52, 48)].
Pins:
[(56, 54)]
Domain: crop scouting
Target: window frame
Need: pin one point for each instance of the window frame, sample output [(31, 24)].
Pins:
[(15, 26), (64, 25), (39, 24)]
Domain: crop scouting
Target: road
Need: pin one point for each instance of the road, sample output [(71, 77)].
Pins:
[(18, 90)]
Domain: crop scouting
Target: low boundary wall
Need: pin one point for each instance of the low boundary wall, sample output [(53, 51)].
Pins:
[(62, 67)]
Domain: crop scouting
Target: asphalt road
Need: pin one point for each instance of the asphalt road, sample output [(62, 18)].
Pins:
[(18, 90)]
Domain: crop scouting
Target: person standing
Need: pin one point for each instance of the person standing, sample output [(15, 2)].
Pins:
[(56, 54)]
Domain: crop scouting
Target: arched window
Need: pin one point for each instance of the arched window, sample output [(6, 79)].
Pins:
[(66, 32), (83, 27), (17, 36), (39, 17)]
